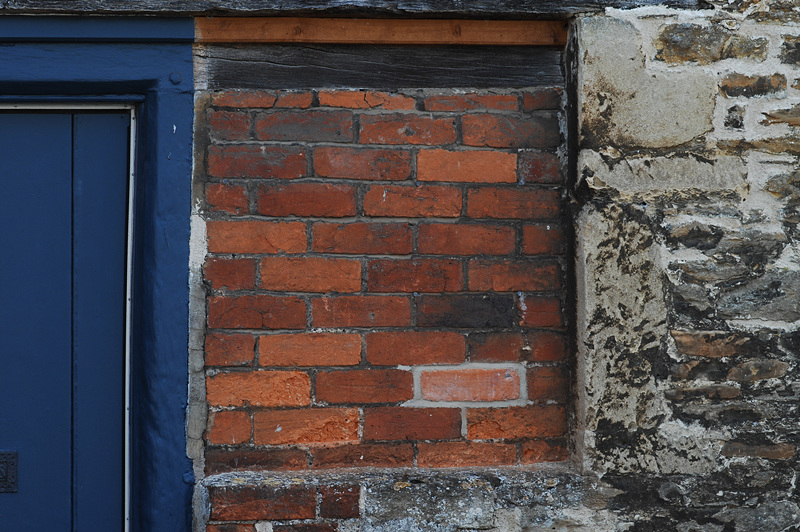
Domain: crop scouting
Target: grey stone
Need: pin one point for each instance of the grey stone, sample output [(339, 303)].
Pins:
[(767, 517), (773, 296)]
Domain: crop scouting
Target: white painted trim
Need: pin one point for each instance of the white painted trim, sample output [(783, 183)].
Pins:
[(66, 106)]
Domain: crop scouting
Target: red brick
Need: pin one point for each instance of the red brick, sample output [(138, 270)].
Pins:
[(247, 459), (537, 451), (539, 167), (501, 384), (230, 349), (413, 202), (407, 129), (366, 100), (418, 275), (230, 528), (548, 383), (340, 501), (364, 386), (532, 346), (362, 163), (233, 274), (474, 166), (466, 311), (399, 423), (542, 99), (363, 455), (259, 388), (244, 99), (305, 527), (362, 238), (247, 502), (307, 199), (280, 162), (524, 203), (465, 454), (472, 101), (466, 239), (228, 198), (229, 427), (539, 311), (412, 348), (309, 349), (516, 422), (310, 274), (310, 426), (293, 99), (309, 126), (256, 312), (543, 239), (229, 125), (513, 276), (503, 131), (256, 237), (361, 311)]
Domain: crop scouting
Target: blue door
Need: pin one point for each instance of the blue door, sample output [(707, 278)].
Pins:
[(63, 255)]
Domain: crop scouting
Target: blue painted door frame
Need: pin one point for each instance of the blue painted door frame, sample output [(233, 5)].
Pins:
[(148, 62)]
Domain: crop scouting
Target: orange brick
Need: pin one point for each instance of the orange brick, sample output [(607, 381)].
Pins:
[(307, 199), (465, 454), (407, 129), (400, 423), (227, 198), (536, 451), (418, 275), (362, 163), (413, 202), (516, 422), (548, 383), (229, 349), (500, 384), (531, 346), (513, 276), (474, 166), (310, 274), (259, 388), (297, 100), (233, 274), (472, 101), (539, 311), (361, 311), (366, 100), (263, 162), (362, 238), (309, 426), (229, 125), (256, 237), (309, 349), (230, 427), (543, 239), (243, 99), (503, 131), (413, 348), (364, 386), (256, 312), (524, 203), (466, 239)]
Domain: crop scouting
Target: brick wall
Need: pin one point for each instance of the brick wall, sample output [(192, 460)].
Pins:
[(385, 282)]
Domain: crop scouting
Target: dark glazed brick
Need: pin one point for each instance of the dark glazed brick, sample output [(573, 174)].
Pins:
[(315, 126), (304, 527), (340, 502), (222, 461), (248, 503), (473, 311), (363, 455)]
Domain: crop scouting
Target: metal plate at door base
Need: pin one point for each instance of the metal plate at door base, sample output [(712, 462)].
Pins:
[(8, 471)]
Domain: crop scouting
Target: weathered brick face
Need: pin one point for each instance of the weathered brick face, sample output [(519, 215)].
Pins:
[(386, 282), (385, 288)]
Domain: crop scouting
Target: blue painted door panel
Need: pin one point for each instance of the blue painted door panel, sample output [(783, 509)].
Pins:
[(63, 216)]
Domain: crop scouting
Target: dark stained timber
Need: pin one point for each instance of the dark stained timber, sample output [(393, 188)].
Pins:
[(426, 8), (325, 66)]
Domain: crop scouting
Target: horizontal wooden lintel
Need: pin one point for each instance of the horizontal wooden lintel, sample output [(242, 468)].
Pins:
[(380, 31)]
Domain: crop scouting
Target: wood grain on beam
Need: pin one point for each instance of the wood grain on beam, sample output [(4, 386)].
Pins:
[(380, 31)]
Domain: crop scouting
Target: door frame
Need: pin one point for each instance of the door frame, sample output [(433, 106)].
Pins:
[(147, 64)]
